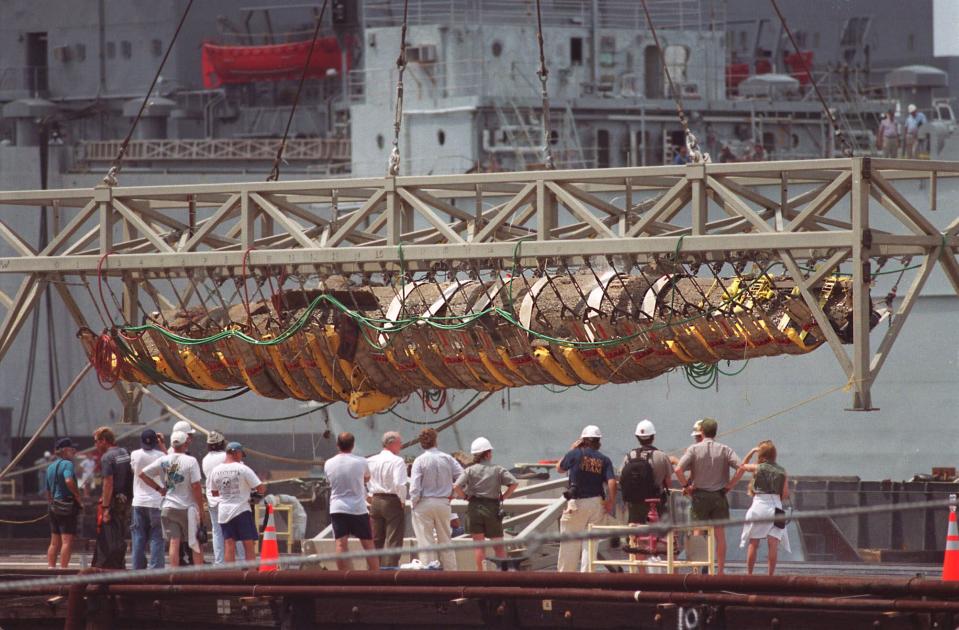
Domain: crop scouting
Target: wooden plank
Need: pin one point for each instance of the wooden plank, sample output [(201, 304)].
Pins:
[(822, 202), (665, 202), (577, 208), (434, 219)]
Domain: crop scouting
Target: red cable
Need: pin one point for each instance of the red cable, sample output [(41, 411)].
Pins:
[(106, 360)]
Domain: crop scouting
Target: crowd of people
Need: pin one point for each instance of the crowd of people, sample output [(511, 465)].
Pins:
[(171, 503), (157, 493), (900, 138)]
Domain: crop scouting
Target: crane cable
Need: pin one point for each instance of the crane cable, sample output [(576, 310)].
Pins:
[(393, 166), (110, 179), (543, 74), (275, 171), (696, 154), (847, 148)]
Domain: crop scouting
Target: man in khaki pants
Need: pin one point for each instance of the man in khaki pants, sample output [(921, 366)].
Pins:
[(431, 488), (591, 476)]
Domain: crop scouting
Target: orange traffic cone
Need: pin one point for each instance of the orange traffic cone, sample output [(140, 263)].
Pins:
[(950, 564), (269, 551)]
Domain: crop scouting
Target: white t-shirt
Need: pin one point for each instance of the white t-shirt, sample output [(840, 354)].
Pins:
[(178, 472), (144, 495), (210, 461), (234, 481), (347, 474)]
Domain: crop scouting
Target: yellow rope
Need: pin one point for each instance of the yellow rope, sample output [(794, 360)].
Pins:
[(36, 520), (845, 386)]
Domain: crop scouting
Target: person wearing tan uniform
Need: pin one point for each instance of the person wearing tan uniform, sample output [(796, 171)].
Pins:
[(708, 463)]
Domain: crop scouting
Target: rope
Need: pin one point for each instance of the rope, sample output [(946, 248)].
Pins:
[(275, 171), (29, 522), (847, 148), (110, 179), (46, 422), (543, 74), (692, 144), (276, 458), (393, 167)]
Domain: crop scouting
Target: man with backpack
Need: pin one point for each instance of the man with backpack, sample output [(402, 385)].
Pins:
[(644, 476), (113, 514)]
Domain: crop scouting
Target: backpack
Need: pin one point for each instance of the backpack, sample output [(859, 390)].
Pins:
[(123, 474), (637, 478)]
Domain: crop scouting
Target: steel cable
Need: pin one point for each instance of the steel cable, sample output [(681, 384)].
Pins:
[(275, 171)]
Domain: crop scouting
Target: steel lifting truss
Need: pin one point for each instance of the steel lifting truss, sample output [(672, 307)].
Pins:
[(817, 218)]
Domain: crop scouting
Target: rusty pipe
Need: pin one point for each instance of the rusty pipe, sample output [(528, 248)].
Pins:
[(788, 584), (487, 592)]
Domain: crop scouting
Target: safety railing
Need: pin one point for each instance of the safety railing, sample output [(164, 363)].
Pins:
[(297, 149), (627, 14)]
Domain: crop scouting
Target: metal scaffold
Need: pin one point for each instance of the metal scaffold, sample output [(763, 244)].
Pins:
[(395, 232), (397, 228)]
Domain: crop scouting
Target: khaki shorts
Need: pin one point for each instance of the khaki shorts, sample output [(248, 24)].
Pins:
[(709, 506), (175, 523), (482, 517)]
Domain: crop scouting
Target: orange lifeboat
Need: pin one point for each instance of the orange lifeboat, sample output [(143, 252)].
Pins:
[(274, 62)]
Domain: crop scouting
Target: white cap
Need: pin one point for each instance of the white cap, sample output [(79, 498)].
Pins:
[(911, 108), (480, 445), (697, 429), (178, 438), (591, 431), (645, 428), (184, 426)]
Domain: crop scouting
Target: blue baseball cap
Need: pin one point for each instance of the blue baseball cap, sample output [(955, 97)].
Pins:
[(148, 439), (64, 443), (233, 447)]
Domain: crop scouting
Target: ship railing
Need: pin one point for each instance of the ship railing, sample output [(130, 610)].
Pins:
[(223, 149), (424, 81), (618, 14)]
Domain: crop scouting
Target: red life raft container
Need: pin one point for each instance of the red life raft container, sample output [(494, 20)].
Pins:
[(275, 62)]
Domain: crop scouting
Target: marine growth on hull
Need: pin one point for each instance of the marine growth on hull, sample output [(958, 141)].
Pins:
[(373, 343)]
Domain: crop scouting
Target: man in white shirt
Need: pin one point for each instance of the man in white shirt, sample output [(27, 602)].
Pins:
[(216, 455), (388, 486), (431, 488), (348, 474), (146, 527), (231, 483), (181, 490)]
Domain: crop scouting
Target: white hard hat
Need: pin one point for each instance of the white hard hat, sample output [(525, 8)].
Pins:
[(911, 108), (185, 427), (697, 429), (645, 428), (591, 431), (178, 438), (480, 445)]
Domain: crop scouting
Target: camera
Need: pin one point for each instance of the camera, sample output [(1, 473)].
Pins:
[(570, 493)]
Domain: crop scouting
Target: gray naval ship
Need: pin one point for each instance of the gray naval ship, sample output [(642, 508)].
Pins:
[(72, 75)]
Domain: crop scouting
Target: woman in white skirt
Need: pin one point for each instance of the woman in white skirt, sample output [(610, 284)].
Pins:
[(769, 488)]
